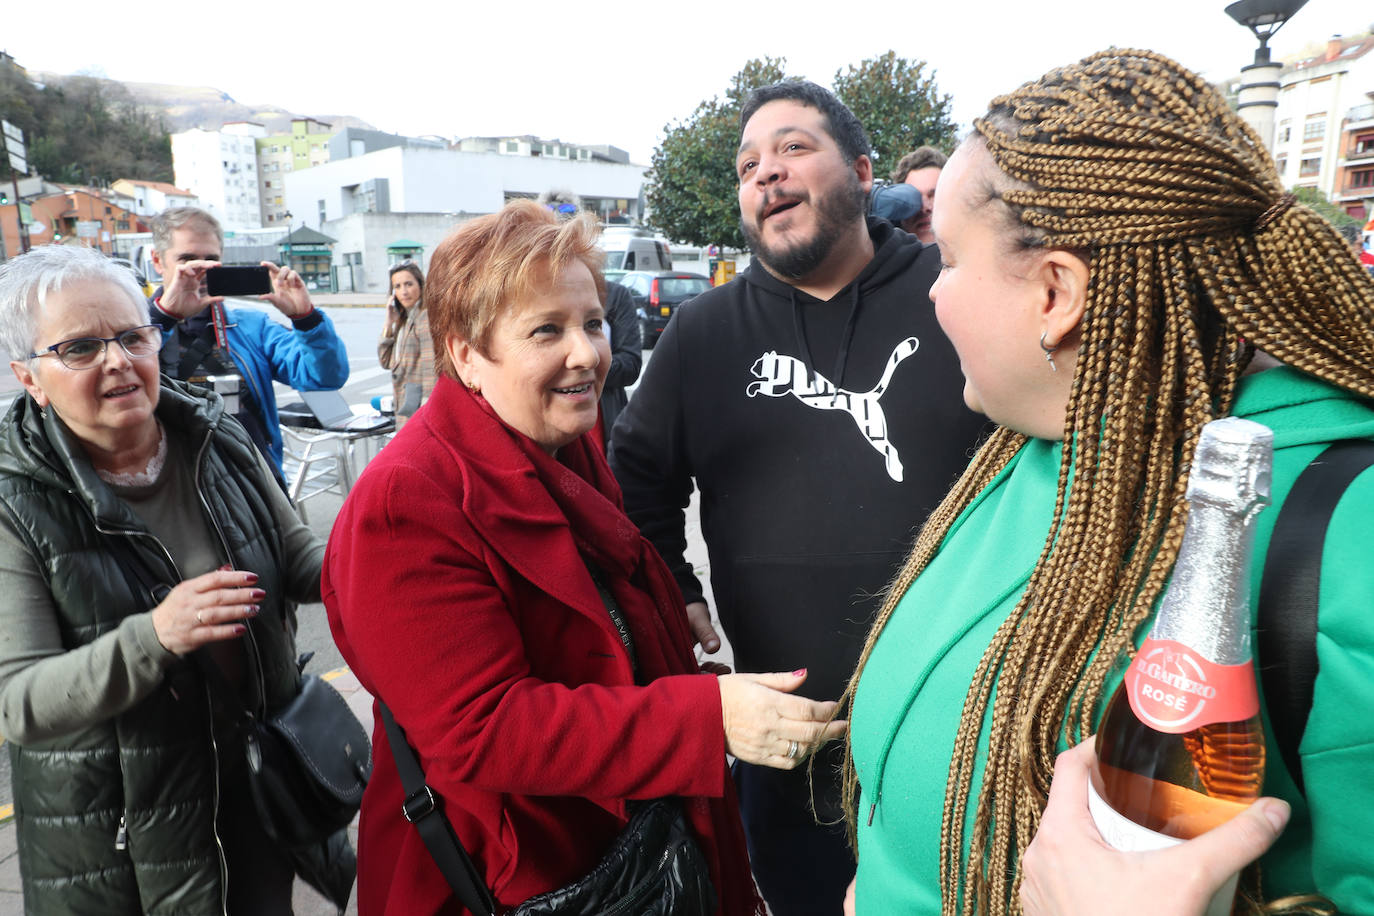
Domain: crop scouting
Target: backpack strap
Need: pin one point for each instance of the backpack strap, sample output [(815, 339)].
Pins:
[(1290, 591)]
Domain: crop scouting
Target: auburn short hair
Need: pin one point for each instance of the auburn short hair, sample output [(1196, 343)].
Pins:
[(485, 265)]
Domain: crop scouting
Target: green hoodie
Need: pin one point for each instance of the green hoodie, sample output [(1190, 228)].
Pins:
[(907, 707)]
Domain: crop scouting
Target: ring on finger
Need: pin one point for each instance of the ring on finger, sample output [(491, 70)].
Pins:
[(792, 751)]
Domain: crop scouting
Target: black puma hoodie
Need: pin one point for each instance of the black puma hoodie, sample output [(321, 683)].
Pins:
[(821, 434)]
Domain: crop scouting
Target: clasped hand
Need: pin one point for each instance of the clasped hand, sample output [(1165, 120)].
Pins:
[(766, 724), (206, 609)]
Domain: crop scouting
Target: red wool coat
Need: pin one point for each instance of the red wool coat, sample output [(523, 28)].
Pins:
[(455, 592)]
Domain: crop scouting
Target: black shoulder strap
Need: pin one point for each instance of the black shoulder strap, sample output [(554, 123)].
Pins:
[(1290, 590), (422, 808)]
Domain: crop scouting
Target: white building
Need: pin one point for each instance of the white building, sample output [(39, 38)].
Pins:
[(409, 194), (149, 198), (220, 168), (1319, 99)]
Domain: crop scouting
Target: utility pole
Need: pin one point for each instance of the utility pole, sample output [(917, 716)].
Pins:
[(12, 143)]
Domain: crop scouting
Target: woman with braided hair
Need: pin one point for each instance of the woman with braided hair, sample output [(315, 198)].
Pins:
[(1121, 266)]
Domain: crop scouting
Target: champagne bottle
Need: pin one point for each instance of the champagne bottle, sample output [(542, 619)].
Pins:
[(1181, 749)]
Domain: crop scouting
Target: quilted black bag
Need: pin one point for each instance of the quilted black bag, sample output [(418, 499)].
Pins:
[(307, 765), (653, 868)]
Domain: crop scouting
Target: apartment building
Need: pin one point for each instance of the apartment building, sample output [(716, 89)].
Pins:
[(220, 167), (1324, 125), (306, 146)]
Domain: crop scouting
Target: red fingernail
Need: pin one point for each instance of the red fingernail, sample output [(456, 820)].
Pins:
[(259, 594), (240, 630), (250, 578), (799, 672)]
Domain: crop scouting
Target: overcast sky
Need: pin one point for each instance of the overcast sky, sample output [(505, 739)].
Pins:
[(595, 72)]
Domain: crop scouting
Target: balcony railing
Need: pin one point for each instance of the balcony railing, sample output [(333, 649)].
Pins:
[(1360, 113)]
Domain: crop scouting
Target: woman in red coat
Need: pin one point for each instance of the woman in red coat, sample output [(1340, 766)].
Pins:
[(459, 584)]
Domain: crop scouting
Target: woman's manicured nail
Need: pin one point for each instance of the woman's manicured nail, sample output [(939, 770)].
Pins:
[(800, 672)]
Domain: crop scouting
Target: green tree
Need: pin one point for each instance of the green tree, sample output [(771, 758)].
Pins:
[(1324, 208), (691, 189), (83, 129), (899, 105)]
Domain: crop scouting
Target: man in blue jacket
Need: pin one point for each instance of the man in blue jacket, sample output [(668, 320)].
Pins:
[(205, 339)]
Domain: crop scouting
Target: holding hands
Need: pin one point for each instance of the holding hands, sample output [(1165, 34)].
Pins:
[(207, 609), (766, 724), (1068, 868)]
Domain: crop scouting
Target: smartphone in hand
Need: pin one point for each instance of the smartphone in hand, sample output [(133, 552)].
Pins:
[(238, 281)]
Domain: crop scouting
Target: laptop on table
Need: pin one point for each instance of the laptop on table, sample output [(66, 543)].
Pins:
[(334, 414)]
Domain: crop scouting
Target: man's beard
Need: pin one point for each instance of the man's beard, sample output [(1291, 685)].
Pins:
[(836, 213)]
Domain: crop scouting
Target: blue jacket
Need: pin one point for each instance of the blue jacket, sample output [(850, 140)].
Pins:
[(308, 356)]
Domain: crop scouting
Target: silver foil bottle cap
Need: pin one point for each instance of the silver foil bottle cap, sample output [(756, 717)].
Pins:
[(1233, 465), (1207, 603)]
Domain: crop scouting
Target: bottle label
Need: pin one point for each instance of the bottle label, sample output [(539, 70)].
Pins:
[(1173, 689), (1125, 834)]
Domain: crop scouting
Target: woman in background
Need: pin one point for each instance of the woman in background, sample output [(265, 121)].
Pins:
[(405, 346)]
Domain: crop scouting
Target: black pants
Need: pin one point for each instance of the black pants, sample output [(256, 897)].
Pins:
[(801, 867)]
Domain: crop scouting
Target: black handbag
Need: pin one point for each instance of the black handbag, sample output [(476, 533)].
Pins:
[(654, 867), (308, 764)]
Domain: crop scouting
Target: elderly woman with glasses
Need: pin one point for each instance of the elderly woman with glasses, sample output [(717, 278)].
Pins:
[(143, 542), (405, 346)]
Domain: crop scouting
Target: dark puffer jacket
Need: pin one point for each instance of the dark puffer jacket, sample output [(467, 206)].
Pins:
[(119, 816)]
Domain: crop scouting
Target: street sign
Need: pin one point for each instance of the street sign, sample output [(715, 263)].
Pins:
[(12, 132), (87, 228), (19, 164), (25, 213)]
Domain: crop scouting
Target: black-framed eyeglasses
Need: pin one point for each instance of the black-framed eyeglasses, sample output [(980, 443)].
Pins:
[(88, 352)]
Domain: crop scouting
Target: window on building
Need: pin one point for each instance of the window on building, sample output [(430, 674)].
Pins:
[(1362, 178), (1310, 167), (1364, 144), (1281, 164), (321, 208), (1314, 129), (512, 146), (1285, 133)]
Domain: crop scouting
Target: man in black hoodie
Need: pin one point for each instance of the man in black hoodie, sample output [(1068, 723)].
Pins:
[(818, 408)]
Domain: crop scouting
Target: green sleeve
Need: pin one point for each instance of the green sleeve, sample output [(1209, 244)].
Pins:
[(47, 690)]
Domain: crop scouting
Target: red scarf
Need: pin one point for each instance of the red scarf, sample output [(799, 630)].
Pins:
[(581, 484)]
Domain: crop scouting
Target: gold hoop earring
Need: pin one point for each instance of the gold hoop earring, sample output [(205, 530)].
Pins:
[(1049, 352)]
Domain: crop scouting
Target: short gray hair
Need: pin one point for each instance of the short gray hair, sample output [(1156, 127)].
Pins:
[(169, 221), (26, 282)]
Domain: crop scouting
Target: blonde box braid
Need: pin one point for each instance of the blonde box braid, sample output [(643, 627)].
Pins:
[(1196, 257)]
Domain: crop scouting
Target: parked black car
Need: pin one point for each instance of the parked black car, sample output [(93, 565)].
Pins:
[(657, 293)]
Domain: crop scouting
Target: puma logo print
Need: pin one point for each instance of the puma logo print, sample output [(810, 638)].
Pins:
[(781, 375)]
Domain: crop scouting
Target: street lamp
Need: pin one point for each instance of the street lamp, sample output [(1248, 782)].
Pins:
[(1259, 88), (287, 217)]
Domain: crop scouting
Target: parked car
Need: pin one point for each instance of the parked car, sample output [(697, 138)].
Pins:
[(657, 293)]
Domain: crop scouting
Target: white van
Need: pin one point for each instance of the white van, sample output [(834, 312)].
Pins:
[(634, 249)]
